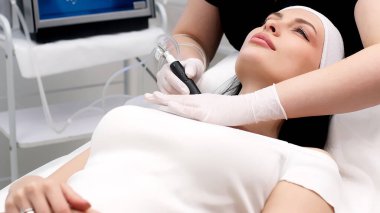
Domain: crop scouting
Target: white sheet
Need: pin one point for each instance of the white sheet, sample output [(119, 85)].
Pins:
[(145, 160), (354, 142)]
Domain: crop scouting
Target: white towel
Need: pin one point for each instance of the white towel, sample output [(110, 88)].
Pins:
[(69, 55)]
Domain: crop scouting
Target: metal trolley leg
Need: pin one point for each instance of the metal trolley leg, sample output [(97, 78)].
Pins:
[(9, 56)]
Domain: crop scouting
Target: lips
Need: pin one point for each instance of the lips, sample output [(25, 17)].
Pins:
[(263, 40)]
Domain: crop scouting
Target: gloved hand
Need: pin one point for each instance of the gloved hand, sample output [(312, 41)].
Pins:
[(168, 82), (262, 105)]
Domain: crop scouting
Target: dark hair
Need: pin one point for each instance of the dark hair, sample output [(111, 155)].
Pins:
[(307, 131)]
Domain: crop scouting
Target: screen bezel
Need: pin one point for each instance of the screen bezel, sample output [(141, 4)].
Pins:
[(54, 22)]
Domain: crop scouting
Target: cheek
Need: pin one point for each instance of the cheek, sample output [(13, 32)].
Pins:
[(311, 54), (309, 60), (304, 60)]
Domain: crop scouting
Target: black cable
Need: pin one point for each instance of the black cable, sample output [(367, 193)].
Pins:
[(147, 69)]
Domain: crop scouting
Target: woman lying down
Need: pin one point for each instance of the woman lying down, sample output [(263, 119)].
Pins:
[(146, 160)]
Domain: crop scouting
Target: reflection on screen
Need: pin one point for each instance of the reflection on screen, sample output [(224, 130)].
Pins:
[(52, 9)]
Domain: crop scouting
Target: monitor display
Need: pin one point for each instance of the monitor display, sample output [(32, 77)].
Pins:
[(51, 20), (49, 9)]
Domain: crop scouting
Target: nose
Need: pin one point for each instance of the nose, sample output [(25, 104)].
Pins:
[(272, 26)]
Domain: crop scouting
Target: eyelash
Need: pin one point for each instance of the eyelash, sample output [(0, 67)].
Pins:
[(299, 30), (302, 32)]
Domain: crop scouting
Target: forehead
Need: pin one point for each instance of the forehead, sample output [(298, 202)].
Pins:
[(299, 13)]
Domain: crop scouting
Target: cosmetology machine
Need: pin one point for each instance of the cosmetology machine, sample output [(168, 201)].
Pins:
[(50, 20)]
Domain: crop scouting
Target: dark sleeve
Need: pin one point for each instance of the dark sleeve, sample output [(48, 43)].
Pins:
[(307, 132), (213, 2)]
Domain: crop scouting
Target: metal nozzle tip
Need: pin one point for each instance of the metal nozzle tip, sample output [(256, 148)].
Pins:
[(158, 53)]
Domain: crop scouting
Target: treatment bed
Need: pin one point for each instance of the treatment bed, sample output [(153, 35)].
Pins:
[(356, 153)]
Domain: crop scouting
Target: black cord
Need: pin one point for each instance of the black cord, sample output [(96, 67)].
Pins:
[(147, 69)]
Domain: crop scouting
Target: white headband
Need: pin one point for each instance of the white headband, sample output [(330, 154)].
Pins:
[(333, 48)]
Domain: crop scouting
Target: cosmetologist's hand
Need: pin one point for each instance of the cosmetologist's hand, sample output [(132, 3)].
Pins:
[(262, 105), (43, 195), (168, 82)]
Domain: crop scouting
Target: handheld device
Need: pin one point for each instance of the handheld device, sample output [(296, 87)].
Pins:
[(177, 68)]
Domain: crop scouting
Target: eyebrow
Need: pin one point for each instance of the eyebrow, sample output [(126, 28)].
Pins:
[(298, 20)]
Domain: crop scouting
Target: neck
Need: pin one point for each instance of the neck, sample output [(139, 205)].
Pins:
[(268, 128)]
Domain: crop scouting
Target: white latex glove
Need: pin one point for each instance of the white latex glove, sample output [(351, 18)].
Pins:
[(262, 105), (168, 82)]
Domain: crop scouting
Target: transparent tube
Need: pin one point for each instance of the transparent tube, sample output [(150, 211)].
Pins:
[(45, 107), (170, 44), (119, 72), (166, 41)]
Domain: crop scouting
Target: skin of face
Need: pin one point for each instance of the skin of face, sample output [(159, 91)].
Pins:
[(289, 43)]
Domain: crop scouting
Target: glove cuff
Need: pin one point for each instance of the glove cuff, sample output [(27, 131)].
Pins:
[(266, 105)]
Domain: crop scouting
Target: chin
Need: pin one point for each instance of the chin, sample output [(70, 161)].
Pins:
[(253, 56)]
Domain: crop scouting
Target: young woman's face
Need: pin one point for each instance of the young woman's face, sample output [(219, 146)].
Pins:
[(289, 43)]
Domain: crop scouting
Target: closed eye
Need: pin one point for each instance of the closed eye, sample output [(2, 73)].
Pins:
[(302, 32)]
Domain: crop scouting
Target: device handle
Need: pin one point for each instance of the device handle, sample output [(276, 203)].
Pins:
[(179, 71)]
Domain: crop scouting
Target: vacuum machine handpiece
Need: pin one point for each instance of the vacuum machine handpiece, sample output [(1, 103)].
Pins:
[(177, 68)]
